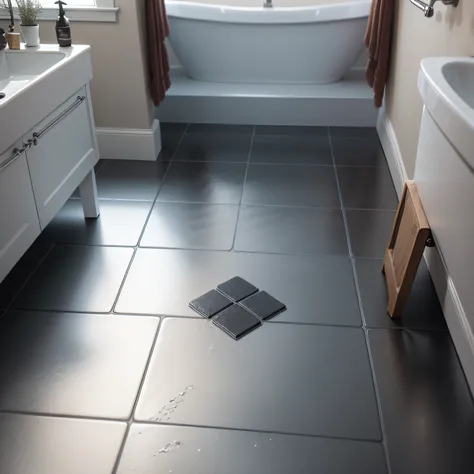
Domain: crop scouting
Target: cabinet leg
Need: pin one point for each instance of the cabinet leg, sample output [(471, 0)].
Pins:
[(90, 200)]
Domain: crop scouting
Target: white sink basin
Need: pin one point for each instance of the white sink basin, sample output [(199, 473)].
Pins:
[(35, 81), (18, 69), (447, 88)]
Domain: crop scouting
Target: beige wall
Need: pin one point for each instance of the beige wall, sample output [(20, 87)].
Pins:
[(119, 90), (449, 32), (276, 3)]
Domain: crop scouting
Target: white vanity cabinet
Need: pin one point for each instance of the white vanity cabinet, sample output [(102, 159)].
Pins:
[(39, 172), (19, 225), (61, 151)]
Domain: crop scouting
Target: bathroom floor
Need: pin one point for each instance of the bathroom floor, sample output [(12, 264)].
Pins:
[(105, 369)]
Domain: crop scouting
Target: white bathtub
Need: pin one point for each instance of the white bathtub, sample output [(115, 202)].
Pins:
[(301, 45)]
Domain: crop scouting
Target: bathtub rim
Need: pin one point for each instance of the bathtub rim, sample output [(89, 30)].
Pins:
[(181, 9)]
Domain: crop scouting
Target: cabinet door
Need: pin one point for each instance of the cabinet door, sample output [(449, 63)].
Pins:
[(62, 153), (19, 224)]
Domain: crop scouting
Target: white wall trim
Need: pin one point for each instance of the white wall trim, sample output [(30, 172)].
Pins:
[(129, 144), (458, 324)]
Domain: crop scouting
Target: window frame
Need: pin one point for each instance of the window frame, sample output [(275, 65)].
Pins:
[(104, 11)]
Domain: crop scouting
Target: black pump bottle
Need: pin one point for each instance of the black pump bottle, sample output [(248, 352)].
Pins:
[(63, 27)]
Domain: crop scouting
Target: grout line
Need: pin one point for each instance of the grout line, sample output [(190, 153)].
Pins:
[(243, 188), (28, 278), (364, 323), (179, 425), (150, 212), (137, 399)]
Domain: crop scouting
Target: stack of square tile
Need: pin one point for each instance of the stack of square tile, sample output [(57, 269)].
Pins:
[(237, 307)]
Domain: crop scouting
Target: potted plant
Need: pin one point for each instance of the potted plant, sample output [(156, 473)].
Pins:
[(28, 11)]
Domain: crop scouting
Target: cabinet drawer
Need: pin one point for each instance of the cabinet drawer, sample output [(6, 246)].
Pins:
[(19, 220), (62, 154)]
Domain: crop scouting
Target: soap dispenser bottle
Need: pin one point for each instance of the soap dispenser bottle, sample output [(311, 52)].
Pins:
[(63, 27)]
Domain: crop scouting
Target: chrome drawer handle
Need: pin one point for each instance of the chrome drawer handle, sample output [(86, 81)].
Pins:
[(16, 153), (38, 135)]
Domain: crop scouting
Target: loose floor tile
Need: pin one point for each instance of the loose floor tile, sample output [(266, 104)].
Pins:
[(43, 445), (20, 273), (190, 225), (237, 289), (209, 304), (214, 146), (269, 381), (293, 149), (203, 182), (130, 180), (204, 451), (369, 232), (119, 223), (367, 188), (422, 311), (427, 408), (358, 152), (236, 321), (165, 281), (263, 305), (291, 230), (83, 279), (73, 364), (287, 185)]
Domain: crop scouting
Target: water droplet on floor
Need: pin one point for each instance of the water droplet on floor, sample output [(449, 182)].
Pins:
[(199, 450)]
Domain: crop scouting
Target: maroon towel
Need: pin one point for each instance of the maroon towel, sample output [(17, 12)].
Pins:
[(158, 63), (378, 39)]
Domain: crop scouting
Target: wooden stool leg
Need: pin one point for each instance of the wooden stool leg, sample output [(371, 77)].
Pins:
[(405, 249)]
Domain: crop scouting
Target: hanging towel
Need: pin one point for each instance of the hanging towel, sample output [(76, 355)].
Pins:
[(158, 63), (377, 40)]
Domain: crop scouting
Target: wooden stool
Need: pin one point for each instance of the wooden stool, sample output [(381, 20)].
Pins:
[(410, 234)]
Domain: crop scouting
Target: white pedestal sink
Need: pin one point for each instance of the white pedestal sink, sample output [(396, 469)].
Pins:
[(48, 145), (445, 178)]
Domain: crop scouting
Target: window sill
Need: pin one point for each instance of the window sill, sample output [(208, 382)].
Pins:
[(100, 14)]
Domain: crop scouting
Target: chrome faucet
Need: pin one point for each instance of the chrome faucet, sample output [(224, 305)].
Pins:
[(267, 3)]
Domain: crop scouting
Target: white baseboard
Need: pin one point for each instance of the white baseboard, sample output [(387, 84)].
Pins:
[(458, 324), (129, 144)]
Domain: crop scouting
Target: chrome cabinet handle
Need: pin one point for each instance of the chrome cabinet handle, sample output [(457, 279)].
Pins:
[(15, 154), (38, 135)]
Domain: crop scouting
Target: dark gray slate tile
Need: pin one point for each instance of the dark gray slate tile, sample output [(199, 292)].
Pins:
[(84, 279), (43, 445), (292, 379), (20, 273), (171, 135), (120, 223), (291, 149), (130, 180), (353, 132), (219, 128), (236, 321), (367, 188), (204, 451), (292, 130), (369, 232), (291, 230), (358, 152), (288, 185), (73, 364), (422, 311), (196, 226), (215, 147), (203, 182), (310, 286), (427, 408)]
